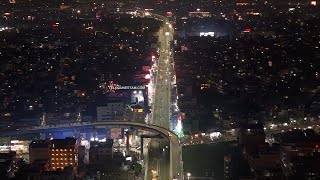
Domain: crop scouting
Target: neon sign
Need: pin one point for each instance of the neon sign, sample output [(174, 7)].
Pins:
[(112, 87)]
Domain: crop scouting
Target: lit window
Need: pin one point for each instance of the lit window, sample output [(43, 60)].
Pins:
[(65, 149), (61, 158), (52, 159), (70, 150), (65, 159), (70, 159)]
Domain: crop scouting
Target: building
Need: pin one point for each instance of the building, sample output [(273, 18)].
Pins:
[(36, 173), (63, 153), (7, 164), (137, 113), (81, 154), (300, 154), (39, 150), (265, 162), (251, 137), (111, 111), (101, 151)]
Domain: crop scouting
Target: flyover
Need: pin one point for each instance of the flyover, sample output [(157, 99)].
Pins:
[(120, 124)]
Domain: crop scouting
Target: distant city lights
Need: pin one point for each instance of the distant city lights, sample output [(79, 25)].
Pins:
[(215, 135), (179, 129), (5, 28)]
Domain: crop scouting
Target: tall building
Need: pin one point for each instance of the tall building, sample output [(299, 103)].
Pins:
[(7, 164), (63, 153), (39, 150)]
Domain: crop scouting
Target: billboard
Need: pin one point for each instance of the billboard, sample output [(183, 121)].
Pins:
[(205, 34)]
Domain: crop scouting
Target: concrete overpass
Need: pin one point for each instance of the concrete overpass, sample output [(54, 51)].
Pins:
[(119, 124)]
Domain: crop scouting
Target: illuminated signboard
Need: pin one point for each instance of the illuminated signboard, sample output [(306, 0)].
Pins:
[(112, 87), (207, 34)]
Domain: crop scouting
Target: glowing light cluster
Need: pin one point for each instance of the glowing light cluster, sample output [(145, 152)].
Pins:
[(179, 129)]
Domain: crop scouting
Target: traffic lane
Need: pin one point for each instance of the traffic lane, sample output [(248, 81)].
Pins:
[(164, 110), (152, 161), (164, 160), (154, 154), (159, 160), (176, 160), (163, 94), (176, 156)]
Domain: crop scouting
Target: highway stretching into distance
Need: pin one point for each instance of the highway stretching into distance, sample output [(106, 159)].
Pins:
[(161, 165)]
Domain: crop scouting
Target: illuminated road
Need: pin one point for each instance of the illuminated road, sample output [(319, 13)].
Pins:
[(161, 115), (160, 160)]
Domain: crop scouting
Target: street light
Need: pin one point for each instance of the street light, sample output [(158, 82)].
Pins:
[(188, 174)]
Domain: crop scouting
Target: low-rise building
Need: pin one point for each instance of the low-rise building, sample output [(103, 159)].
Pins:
[(39, 150), (101, 151), (110, 111), (7, 164)]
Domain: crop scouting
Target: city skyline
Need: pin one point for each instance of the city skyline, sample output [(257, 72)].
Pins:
[(159, 89)]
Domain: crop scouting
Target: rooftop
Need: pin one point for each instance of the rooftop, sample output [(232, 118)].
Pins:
[(39, 144), (63, 143)]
